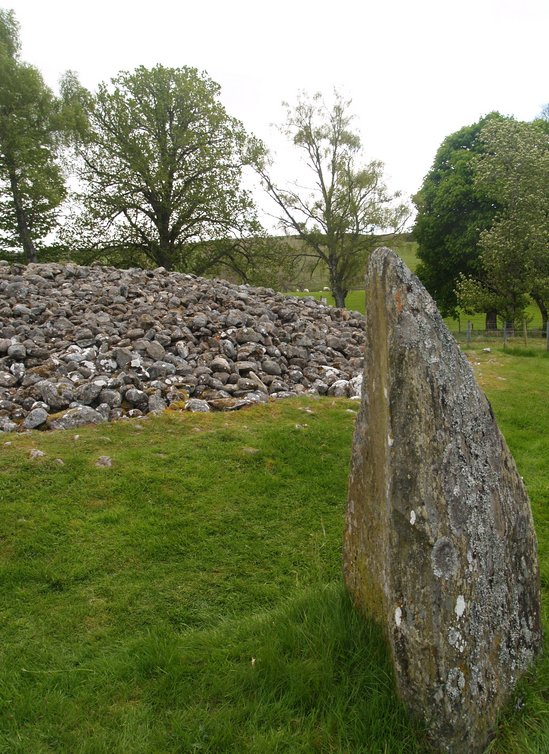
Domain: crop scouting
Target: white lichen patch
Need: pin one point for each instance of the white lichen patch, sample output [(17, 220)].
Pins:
[(455, 639), (460, 606), (455, 683), (398, 616), (412, 517)]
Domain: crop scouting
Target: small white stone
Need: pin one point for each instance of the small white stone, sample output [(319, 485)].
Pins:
[(460, 606), (398, 616), (390, 441), (412, 517)]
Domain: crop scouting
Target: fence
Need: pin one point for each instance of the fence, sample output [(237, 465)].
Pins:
[(507, 335)]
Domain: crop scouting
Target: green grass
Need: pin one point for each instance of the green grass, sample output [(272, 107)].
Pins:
[(355, 300), (315, 277), (478, 321), (189, 599), (407, 250)]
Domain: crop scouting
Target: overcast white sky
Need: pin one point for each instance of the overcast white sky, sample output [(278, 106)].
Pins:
[(416, 71)]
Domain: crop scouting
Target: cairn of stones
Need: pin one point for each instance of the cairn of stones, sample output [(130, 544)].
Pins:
[(439, 543), (85, 345)]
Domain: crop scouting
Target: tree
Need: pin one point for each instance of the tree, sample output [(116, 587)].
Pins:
[(160, 164), (31, 182), (336, 217), (514, 172), (452, 212)]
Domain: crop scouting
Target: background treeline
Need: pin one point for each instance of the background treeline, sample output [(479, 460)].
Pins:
[(151, 170), (482, 223)]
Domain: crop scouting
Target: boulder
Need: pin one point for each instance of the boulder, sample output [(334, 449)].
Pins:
[(196, 405), (439, 541), (35, 418), (76, 417)]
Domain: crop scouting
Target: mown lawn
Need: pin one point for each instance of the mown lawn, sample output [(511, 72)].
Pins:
[(189, 598)]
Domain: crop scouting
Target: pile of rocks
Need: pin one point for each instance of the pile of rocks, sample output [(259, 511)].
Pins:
[(93, 344)]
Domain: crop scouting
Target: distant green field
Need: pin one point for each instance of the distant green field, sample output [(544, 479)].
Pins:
[(407, 251), (315, 276)]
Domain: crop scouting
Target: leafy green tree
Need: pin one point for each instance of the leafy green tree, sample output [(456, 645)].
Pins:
[(31, 181), (452, 212), (336, 217), (160, 164), (514, 172)]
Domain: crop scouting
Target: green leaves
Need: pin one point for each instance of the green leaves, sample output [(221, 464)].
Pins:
[(336, 217), (482, 219), (31, 182), (513, 172), (161, 168), (452, 213)]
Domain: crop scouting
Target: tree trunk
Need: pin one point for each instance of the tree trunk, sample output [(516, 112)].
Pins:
[(543, 311), (339, 299), (491, 320), (338, 291), (163, 250), (25, 237), (163, 259)]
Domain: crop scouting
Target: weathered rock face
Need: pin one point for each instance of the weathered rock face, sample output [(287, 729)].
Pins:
[(130, 342), (439, 542)]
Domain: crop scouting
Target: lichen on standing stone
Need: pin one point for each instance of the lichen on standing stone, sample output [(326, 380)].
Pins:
[(439, 543)]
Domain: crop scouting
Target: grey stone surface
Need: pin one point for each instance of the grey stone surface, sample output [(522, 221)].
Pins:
[(196, 405), (35, 418), (6, 425), (113, 339), (76, 417), (439, 541)]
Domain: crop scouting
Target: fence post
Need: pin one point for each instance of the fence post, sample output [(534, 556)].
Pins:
[(525, 332), (505, 334), (468, 331)]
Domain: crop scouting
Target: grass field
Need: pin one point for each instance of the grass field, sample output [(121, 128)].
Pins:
[(315, 276), (407, 251), (189, 598)]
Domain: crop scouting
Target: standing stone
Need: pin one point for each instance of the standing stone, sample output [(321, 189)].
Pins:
[(439, 542)]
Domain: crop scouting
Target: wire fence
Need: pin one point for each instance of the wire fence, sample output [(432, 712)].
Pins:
[(508, 335)]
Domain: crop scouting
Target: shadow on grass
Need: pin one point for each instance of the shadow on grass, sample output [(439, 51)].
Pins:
[(311, 676)]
